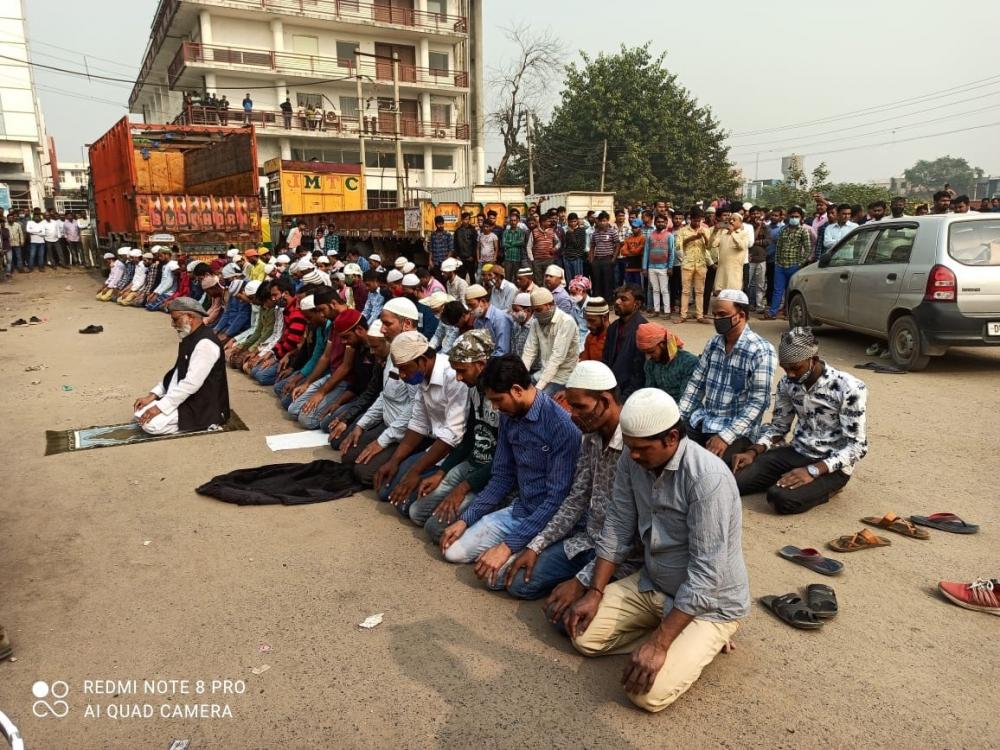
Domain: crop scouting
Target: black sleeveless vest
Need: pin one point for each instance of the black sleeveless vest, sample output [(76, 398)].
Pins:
[(210, 405)]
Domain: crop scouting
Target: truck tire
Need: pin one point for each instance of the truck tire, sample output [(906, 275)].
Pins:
[(906, 344)]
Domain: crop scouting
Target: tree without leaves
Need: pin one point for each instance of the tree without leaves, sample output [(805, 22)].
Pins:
[(521, 85), (661, 142), (927, 177)]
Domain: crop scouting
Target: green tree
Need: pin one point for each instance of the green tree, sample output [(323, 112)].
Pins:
[(927, 177), (660, 141)]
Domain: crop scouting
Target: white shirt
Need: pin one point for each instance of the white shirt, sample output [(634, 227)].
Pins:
[(140, 276), (834, 232), (36, 229), (393, 407), (51, 229), (748, 230), (84, 225), (558, 346), (442, 405), (502, 296), (166, 281), (202, 360)]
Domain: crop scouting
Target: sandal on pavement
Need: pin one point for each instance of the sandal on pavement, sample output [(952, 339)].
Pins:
[(812, 559), (822, 600), (790, 609), (92, 329), (945, 522), (864, 539), (892, 522)]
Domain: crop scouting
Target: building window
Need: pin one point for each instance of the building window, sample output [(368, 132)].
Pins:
[(437, 6), (329, 154), (381, 198), (345, 52), (438, 63), (309, 100), (443, 161), (413, 161), (351, 6), (348, 106), (380, 159), (305, 45), (441, 114)]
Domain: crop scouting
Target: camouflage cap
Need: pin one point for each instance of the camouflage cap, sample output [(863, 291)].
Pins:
[(472, 346)]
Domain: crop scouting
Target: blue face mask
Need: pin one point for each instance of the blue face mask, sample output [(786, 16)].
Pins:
[(793, 221), (415, 379)]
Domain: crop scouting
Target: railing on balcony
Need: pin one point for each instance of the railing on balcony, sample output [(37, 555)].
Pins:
[(354, 10), (329, 124), (293, 63)]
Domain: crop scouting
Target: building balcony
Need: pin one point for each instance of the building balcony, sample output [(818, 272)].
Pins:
[(326, 125), (213, 57)]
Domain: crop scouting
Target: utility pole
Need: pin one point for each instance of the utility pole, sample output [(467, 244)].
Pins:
[(399, 143), (531, 155), (361, 130), (604, 163)]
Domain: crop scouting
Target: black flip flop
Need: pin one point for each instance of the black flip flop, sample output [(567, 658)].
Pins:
[(790, 609), (812, 559), (822, 600), (92, 329), (20, 322), (34, 320), (866, 366), (945, 522)]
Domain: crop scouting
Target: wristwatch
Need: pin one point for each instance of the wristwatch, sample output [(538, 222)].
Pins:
[(813, 470)]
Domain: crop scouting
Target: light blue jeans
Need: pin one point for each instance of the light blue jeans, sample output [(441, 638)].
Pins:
[(484, 534), (422, 509), (313, 419), (551, 569)]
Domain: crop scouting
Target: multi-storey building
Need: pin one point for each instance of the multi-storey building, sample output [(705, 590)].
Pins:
[(22, 131), (306, 52)]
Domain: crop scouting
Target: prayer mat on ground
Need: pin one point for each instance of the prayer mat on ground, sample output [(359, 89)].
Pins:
[(107, 436), (286, 484)]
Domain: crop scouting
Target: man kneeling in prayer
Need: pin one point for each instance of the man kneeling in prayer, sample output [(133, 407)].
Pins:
[(194, 394)]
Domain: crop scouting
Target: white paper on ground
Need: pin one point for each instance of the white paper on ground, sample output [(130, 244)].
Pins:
[(292, 440)]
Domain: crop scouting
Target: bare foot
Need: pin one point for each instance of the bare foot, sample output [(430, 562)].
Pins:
[(728, 648)]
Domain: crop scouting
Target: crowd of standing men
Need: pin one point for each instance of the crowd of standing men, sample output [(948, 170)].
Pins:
[(35, 241)]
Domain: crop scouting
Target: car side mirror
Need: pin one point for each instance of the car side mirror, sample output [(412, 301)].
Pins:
[(824, 260)]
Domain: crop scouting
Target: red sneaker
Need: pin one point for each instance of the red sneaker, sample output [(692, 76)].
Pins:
[(982, 595)]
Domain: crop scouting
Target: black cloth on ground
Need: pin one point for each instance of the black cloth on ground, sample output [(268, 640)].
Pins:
[(287, 484)]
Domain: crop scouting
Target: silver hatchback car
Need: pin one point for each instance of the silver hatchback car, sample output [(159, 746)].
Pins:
[(924, 283)]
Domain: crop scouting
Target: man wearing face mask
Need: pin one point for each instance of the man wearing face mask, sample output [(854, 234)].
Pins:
[(448, 491), (730, 389), (553, 339), (194, 394), (436, 425), (520, 313), (793, 248), (489, 318), (830, 438)]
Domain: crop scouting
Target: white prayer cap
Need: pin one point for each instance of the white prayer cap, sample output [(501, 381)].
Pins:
[(339, 276), (402, 307), (232, 252), (109, 256), (123, 251), (541, 296), (747, 206), (407, 346), (394, 276), (156, 249), (411, 279), (475, 291), (234, 285), (451, 264), (649, 411), (323, 260), (172, 265), (230, 271), (338, 265), (437, 300), (522, 299), (191, 266), (304, 265), (308, 303), (313, 277), (735, 295), (375, 330), (352, 269), (555, 270), (209, 281), (375, 258), (409, 268), (135, 253), (592, 375), (251, 288), (269, 268), (400, 262), (283, 259), (147, 256)]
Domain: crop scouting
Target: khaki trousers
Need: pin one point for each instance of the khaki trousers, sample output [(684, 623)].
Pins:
[(626, 616), (105, 294), (695, 277)]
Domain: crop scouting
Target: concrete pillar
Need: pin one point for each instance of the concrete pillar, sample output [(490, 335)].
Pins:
[(280, 87), (425, 109), (205, 19), (423, 51), (278, 35), (286, 148), (428, 178), (209, 83)]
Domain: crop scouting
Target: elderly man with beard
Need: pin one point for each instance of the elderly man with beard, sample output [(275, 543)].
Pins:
[(193, 395), (668, 364)]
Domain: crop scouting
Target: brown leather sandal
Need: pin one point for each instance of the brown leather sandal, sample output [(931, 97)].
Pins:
[(864, 539), (892, 522)]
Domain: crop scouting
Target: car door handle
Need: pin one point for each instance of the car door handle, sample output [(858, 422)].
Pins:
[(890, 277), (844, 276)]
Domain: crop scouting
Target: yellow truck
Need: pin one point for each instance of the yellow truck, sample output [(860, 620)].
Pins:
[(305, 188)]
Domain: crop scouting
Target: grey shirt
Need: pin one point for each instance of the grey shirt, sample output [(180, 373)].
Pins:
[(689, 519)]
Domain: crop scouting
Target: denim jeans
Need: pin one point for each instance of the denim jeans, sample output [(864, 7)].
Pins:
[(36, 256), (551, 569), (312, 420), (54, 256), (265, 374), (574, 267), (782, 275), (279, 385), (484, 534), (420, 510), (757, 285), (8, 262), (404, 469), (324, 425)]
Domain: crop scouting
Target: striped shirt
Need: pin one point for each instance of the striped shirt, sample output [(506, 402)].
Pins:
[(543, 244), (293, 330), (604, 242)]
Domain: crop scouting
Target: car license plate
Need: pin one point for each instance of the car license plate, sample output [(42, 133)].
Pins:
[(993, 329)]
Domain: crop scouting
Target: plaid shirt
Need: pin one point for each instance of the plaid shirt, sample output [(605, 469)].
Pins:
[(440, 244), (729, 393), (331, 243), (794, 246), (514, 241)]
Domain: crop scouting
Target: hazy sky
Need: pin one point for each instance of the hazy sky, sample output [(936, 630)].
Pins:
[(789, 66)]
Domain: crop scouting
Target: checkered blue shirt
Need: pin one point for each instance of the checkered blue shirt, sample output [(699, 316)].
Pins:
[(728, 394)]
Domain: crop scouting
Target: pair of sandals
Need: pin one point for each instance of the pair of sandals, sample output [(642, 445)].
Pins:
[(34, 320), (865, 539), (819, 606)]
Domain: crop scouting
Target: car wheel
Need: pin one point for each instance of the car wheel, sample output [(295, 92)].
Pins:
[(798, 313), (906, 344)]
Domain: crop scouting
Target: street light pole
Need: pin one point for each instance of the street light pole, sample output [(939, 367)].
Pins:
[(399, 142), (361, 131)]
